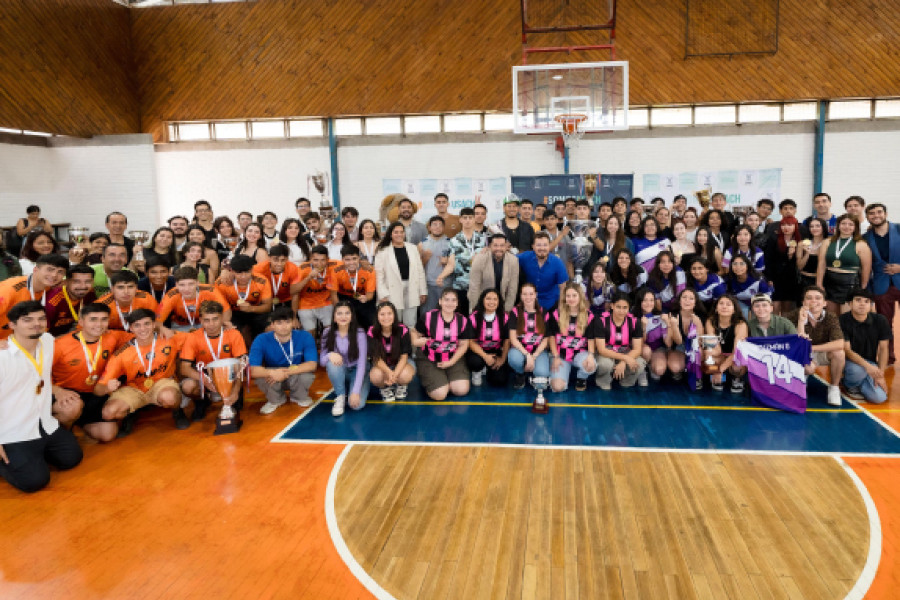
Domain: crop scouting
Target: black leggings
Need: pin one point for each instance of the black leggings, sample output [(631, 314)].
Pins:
[(28, 468), (495, 377)]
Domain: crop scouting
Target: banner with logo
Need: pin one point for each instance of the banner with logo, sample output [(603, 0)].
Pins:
[(462, 191), (547, 189), (741, 187)]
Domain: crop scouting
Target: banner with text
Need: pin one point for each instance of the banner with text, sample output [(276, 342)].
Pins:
[(547, 189), (741, 187), (462, 191)]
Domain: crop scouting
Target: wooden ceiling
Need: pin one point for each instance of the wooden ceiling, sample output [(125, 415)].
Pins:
[(278, 58)]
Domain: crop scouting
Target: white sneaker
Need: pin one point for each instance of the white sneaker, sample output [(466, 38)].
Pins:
[(387, 394), (834, 395), (642, 379), (478, 378), (304, 402), (604, 383), (717, 383), (400, 392), (268, 408), (737, 385), (338, 408)]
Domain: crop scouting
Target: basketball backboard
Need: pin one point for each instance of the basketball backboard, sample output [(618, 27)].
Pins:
[(542, 93)]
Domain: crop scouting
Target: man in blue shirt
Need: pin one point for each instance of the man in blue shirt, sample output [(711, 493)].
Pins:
[(546, 271), (283, 359)]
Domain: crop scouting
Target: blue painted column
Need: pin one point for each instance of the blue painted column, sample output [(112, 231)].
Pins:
[(566, 160), (332, 150), (819, 158)]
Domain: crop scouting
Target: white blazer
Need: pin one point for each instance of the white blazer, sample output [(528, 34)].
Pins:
[(388, 283)]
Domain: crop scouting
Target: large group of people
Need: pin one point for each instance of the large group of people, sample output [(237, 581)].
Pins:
[(93, 333)]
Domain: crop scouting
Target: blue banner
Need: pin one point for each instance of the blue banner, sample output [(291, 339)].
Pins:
[(547, 189)]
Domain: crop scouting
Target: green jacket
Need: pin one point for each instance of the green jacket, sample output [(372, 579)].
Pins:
[(777, 326)]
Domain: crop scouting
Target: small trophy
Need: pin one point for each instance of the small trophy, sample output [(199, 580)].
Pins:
[(140, 238), (540, 403), (709, 342), (79, 235), (703, 197)]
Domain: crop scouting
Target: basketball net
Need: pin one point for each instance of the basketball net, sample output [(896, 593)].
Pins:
[(570, 125)]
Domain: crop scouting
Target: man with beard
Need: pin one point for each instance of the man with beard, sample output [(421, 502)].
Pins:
[(519, 233), (179, 227), (64, 302), (415, 231), (547, 272), (31, 438), (883, 238)]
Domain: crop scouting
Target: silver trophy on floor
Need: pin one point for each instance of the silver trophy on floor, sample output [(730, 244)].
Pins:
[(581, 245), (540, 405)]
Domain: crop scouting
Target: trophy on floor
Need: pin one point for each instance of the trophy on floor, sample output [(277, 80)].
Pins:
[(540, 405), (709, 342), (581, 244), (224, 373), (140, 238)]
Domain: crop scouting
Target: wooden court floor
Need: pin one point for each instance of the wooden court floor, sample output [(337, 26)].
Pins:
[(169, 514)]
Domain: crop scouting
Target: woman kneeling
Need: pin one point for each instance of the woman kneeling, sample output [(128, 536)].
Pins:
[(390, 347)]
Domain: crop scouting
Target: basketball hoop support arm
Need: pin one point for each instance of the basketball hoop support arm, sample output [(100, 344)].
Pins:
[(609, 26)]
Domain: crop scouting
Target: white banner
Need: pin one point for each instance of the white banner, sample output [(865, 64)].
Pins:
[(741, 187), (462, 191)]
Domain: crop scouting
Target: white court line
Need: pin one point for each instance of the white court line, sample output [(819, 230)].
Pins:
[(859, 589), (338, 540), (861, 408), (298, 419), (596, 448)]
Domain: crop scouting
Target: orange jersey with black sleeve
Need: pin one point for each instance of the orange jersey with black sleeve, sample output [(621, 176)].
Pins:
[(317, 291), (196, 350), (281, 283), (361, 282), (70, 366), (117, 313), (126, 362), (254, 292), (13, 291), (187, 312)]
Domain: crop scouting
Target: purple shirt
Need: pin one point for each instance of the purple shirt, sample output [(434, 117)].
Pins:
[(341, 346)]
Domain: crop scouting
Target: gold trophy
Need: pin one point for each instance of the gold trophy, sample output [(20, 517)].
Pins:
[(704, 197)]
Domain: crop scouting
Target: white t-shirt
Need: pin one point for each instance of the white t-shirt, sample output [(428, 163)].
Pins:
[(22, 410)]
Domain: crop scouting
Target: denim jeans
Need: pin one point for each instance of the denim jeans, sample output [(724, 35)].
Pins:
[(516, 362), (856, 379), (342, 378), (566, 367)]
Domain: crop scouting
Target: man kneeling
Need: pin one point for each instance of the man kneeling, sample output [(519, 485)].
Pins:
[(143, 372)]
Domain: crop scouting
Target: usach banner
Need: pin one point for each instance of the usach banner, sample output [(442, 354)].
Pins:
[(462, 191), (741, 187)]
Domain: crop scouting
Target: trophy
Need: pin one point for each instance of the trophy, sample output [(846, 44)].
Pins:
[(319, 180), (704, 197), (709, 342), (581, 245), (590, 187), (140, 238), (224, 373), (79, 235), (231, 242), (540, 403)]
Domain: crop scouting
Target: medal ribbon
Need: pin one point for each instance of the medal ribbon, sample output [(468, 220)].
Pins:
[(215, 355), (31, 292), (91, 363), (190, 316), (69, 302), (38, 364), (149, 367), (286, 355), (125, 325), (838, 249), (246, 293)]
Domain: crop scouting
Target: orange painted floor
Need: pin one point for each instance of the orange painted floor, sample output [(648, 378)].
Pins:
[(185, 514)]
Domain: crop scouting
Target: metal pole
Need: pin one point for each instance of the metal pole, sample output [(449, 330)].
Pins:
[(819, 158), (566, 160), (332, 150)]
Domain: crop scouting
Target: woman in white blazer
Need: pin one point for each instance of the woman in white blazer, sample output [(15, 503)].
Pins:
[(400, 275)]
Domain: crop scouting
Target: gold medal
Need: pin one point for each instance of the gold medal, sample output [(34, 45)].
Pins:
[(836, 263), (39, 387), (148, 383)]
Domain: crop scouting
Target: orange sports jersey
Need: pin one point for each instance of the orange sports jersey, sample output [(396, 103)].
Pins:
[(259, 290), (288, 277), (317, 292), (70, 367), (126, 362), (141, 300), (196, 350), (365, 281), (174, 305), (13, 291)]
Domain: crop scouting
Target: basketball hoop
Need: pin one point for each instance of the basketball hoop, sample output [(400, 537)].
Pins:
[(571, 126)]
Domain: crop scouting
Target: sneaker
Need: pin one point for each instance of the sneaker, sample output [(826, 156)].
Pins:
[(737, 385), (716, 382), (200, 407), (677, 376), (268, 408), (834, 395), (520, 381), (387, 394), (642, 379), (604, 383), (580, 384), (478, 378), (698, 386), (305, 402), (400, 392), (653, 376), (338, 408), (854, 394), (127, 424), (181, 419)]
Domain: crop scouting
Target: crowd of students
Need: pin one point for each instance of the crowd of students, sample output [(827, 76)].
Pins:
[(100, 332)]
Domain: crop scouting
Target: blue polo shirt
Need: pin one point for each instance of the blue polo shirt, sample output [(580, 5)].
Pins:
[(268, 352), (546, 279)]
